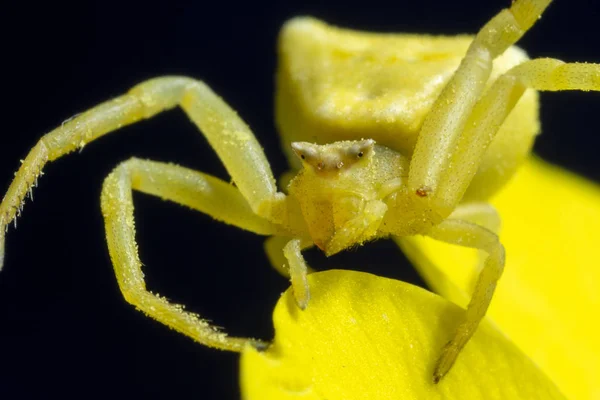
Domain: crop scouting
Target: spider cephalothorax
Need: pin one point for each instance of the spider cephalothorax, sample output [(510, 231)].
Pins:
[(339, 190)]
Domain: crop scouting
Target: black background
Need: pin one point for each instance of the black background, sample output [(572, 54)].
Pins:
[(64, 327)]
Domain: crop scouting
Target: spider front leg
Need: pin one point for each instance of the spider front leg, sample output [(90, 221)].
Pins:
[(298, 270), (231, 138), (461, 124), (468, 234), (491, 110), (446, 121), (483, 214), (282, 251), (194, 189)]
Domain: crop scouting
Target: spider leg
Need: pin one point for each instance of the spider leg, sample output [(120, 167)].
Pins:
[(448, 117), (298, 270), (194, 189), (231, 138), (274, 248), (483, 214), (491, 110), (468, 234)]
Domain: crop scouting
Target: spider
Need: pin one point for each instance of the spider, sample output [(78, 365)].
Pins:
[(356, 181)]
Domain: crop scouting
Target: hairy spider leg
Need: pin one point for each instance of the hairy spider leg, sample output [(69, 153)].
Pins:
[(543, 74), (231, 138), (253, 204), (468, 234), (196, 190), (298, 271), (274, 248), (483, 214), (446, 121)]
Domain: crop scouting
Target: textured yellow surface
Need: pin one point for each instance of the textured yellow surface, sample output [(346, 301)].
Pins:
[(366, 337), (548, 299)]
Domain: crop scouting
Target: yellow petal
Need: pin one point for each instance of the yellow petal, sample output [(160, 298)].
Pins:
[(366, 337), (547, 301)]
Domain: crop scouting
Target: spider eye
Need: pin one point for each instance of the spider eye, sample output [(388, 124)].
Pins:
[(305, 151), (359, 149)]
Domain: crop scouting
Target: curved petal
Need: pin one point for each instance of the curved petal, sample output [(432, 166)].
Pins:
[(366, 337), (548, 300)]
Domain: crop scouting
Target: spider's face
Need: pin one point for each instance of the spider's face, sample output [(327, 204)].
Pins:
[(333, 188), (330, 159)]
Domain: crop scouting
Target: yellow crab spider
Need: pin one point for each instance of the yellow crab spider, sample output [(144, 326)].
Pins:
[(389, 134)]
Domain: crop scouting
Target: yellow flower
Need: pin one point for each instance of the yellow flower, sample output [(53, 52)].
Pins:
[(364, 337)]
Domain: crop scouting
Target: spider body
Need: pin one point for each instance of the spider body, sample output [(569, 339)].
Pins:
[(342, 190), (408, 141)]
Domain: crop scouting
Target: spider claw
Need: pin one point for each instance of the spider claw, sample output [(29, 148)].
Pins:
[(260, 345), (446, 360)]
